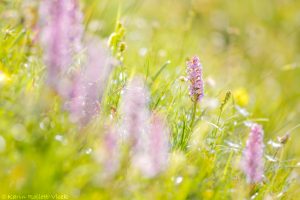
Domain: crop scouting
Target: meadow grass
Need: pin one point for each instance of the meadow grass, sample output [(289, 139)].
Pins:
[(250, 56)]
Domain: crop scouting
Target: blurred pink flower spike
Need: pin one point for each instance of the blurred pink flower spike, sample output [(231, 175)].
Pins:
[(60, 29), (152, 158), (89, 83), (111, 161), (135, 113), (148, 136), (252, 162)]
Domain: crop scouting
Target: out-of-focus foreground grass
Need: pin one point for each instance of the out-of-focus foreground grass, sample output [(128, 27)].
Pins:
[(250, 48)]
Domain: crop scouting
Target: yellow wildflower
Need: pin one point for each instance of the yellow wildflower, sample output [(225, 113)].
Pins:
[(241, 96)]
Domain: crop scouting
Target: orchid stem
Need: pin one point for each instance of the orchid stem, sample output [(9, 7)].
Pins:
[(193, 114)]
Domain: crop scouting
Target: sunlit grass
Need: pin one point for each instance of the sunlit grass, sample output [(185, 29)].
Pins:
[(248, 50)]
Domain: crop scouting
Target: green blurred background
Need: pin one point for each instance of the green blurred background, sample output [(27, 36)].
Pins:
[(251, 48)]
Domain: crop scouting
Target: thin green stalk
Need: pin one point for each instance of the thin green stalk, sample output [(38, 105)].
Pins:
[(227, 164), (182, 137), (215, 131), (185, 137), (193, 115), (275, 154)]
